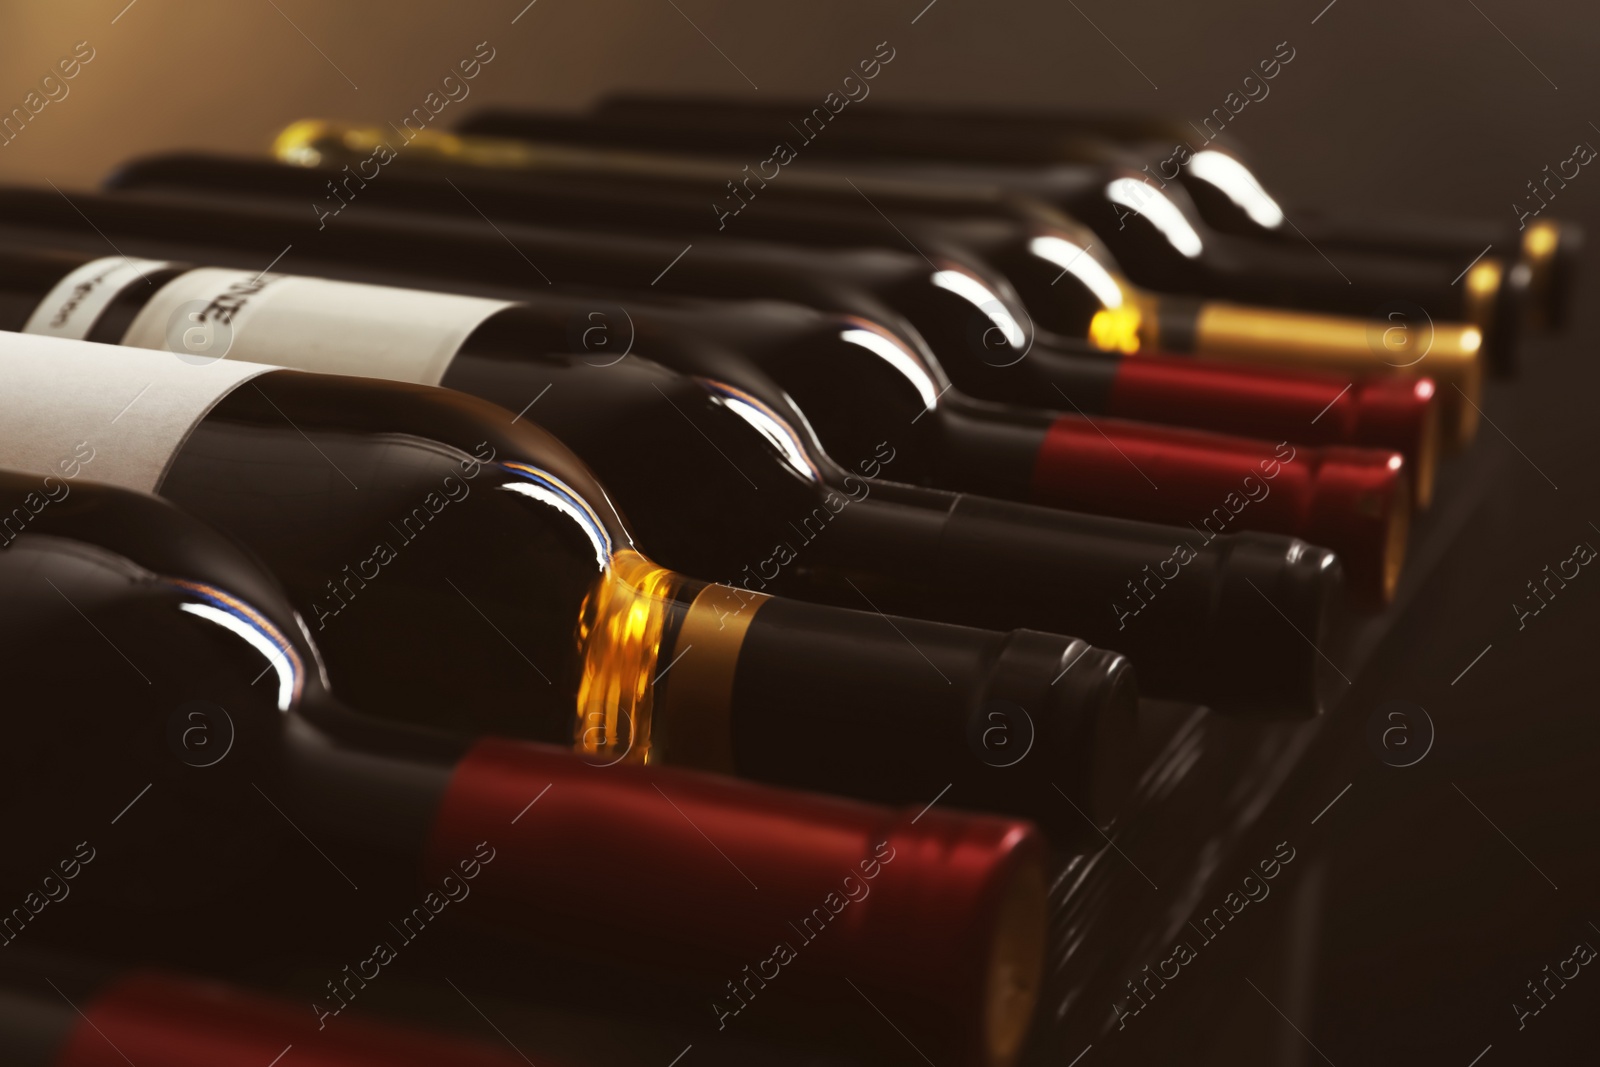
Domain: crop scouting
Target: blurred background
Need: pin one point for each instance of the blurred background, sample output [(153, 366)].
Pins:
[(1448, 885)]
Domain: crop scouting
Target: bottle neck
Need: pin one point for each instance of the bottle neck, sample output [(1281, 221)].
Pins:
[(994, 449), (896, 709), (659, 652), (715, 677), (1178, 600), (1065, 374), (365, 781)]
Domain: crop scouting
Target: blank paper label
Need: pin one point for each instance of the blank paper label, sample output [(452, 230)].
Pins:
[(132, 410)]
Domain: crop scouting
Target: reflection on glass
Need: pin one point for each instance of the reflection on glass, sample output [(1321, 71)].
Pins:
[(1152, 204), (1238, 184), (900, 358), (768, 423), (985, 300), (548, 489), (235, 616), (1073, 257)]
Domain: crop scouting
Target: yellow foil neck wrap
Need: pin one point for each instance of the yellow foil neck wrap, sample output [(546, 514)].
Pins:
[(694, 725), (1448, 352), (312, 142), (1482, 290), (1539, 245), (1540, 241), (319, 142), (619, 635), (1117, 329)]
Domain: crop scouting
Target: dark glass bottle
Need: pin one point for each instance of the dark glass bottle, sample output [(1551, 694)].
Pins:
[(456, 564), (194, 752), (1018, 240), (1062, 287), (1351, 501), (798, 523), (1222, 184), (1147, 218)]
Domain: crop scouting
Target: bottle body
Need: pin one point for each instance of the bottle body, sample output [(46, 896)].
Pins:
[(948, 459), (527, 840), (527, 609), (1229, 196), (784, 537), (1038, 248)]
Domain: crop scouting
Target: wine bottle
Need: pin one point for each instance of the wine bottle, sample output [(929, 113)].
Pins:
[(1153, 230), (1030, 248), (1063, 287), (1237, 628), (74, 1016), (1101, 483), (1223, 185), (448, 557), (149, 635), (1352, 501), (905, 550)]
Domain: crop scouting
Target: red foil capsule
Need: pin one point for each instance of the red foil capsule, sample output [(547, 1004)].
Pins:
[(938, 917), (154, 1020), (1355, 501), (1380, 411)]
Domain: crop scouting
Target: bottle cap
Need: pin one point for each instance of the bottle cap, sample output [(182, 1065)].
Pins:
[(1402, 414), (936, 916), (1361, 508)]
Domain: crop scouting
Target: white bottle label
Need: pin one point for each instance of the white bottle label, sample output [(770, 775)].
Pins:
[(63, 400), (77, 301), (312, 324)]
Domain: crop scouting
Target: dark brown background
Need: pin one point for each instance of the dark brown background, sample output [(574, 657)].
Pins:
[(1434, 918)]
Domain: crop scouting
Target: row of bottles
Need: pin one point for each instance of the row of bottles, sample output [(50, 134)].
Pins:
[(510, 528)]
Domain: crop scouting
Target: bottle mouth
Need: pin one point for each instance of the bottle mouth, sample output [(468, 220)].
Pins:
[(1363, 512), (1015, 969), (1074, 756), (1496, 301), (1287, 596), (1404, 415), (1459, 370), (1396, 541), (1451, 353), (1549, 250), (958, 939), (1425, 461), (1117, 769)]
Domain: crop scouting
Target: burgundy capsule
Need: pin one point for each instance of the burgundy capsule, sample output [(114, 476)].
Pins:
[(1379, 411), (938, 916), (158, 1020), (1355, 501)]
